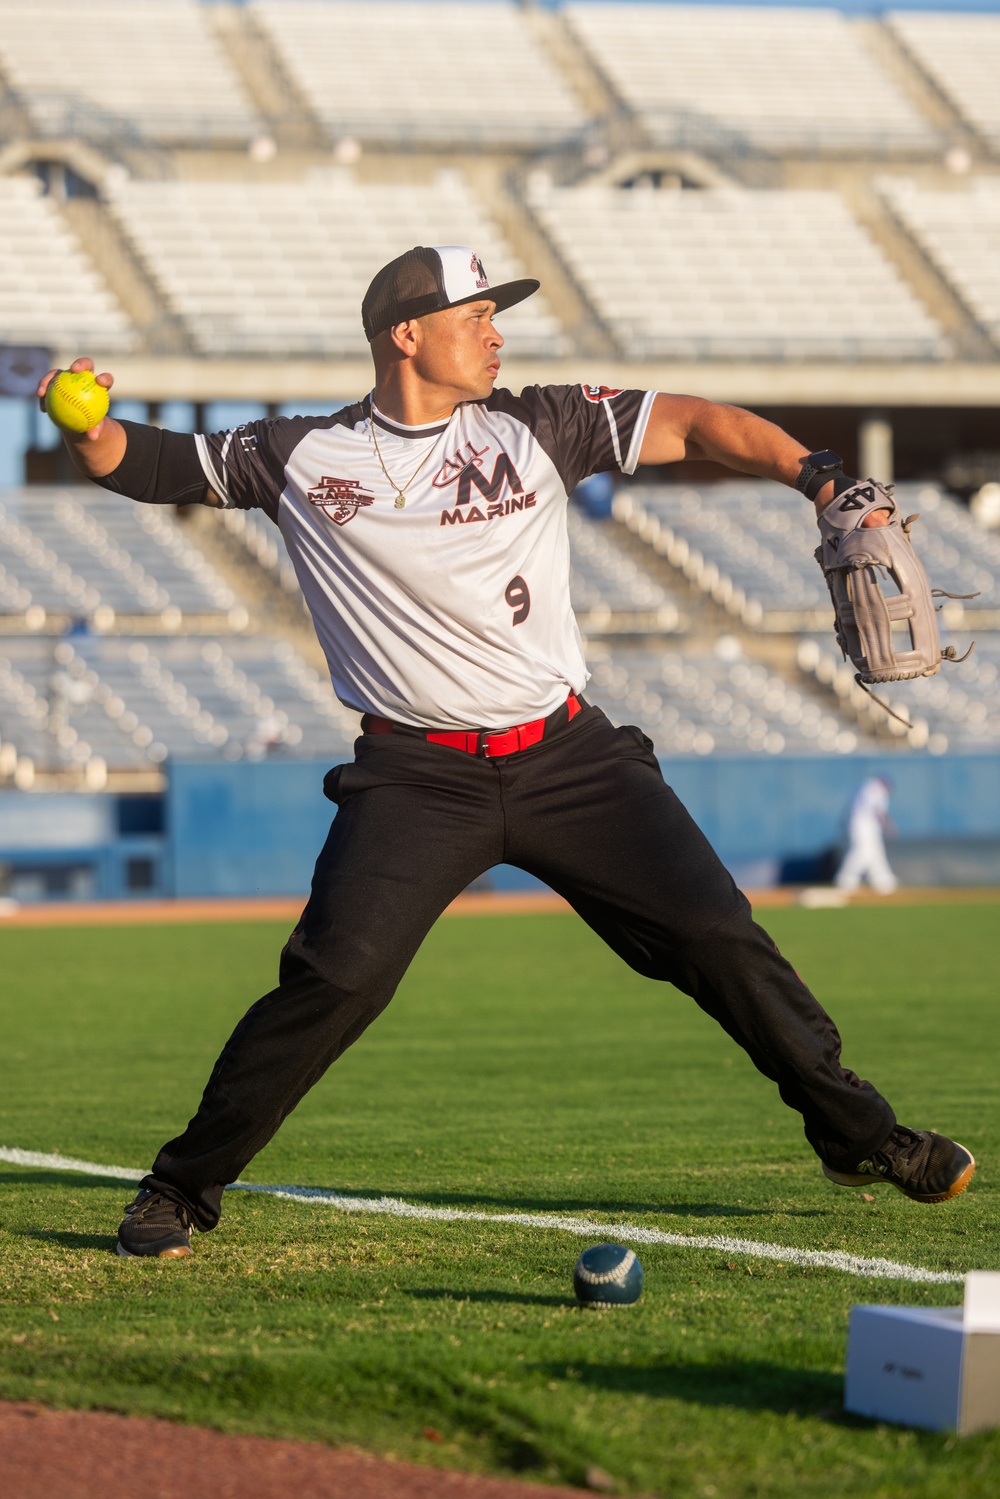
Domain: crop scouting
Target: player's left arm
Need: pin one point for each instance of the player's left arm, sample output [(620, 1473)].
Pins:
[(688, 427)]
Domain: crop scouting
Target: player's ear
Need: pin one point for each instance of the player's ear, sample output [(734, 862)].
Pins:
[(405, 337)]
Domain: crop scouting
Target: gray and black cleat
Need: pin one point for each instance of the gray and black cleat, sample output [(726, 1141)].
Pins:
[(922, 1165), (155, 1225)]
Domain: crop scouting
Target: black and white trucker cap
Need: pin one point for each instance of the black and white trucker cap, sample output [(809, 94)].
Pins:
[(430, 278)]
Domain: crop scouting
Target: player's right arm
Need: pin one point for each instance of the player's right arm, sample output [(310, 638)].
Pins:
[(145, 463)]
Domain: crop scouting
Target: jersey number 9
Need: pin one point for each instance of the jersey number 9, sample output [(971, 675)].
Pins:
[(517, 596)]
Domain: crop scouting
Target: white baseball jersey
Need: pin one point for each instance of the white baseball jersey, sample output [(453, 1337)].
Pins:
[(452, 610)]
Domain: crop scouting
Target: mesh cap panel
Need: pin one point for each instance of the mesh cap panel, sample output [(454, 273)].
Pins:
[(409, 286)]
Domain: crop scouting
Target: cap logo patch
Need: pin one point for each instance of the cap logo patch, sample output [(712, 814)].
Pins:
[(476, 267)]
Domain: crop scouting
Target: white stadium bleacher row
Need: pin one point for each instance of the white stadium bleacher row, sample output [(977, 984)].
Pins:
[(749, 545), (734, 273), (607, 584), (705, 702), (751, 70), (133, 702), (136, 701), (106, 66), (961, 53), (50, 290), (87, 553), (957, 709), (960, 232), (428, 72), (263, 541), (281, 267)]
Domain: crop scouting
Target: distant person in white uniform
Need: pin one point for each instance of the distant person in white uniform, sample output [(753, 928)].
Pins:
[(866, 823)]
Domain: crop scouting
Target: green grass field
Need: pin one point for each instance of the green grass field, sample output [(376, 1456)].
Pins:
[(521, 1067)]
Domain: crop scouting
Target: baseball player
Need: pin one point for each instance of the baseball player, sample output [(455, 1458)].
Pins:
[(427, 526), (866, 857)]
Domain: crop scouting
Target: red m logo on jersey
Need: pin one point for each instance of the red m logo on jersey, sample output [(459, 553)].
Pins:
[(468, 474)]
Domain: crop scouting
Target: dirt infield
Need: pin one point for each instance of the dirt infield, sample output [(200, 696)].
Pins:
[(47, 1454), (275, 908), (487, 903)]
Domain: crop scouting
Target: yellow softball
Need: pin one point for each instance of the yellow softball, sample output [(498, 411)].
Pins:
[(75, 401)]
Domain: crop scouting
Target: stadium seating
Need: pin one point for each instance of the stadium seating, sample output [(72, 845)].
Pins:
[(961, 53), (134, 701), (706, 702), (730, 273), (281, 267), (608, 586), (958, 709), (50, 291), (424, 72), (262, 540), (116, 69), (960, 232), (753, 72), (749, 545), (86, 553)]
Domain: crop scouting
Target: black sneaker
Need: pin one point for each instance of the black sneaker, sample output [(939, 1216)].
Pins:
[(924, 1166), (155, 1225)]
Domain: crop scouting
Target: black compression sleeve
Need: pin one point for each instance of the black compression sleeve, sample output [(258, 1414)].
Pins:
[(159, 468)]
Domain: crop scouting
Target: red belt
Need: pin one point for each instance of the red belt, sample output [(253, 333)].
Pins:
[(488, 742)]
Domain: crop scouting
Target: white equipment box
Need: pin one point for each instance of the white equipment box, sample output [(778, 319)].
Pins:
[(936, 1367)]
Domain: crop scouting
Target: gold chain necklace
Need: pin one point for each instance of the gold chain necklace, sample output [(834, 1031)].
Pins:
[(400, 492)]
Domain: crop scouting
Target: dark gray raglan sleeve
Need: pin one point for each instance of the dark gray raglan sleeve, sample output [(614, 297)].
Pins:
[(588, 429), (246, 465)]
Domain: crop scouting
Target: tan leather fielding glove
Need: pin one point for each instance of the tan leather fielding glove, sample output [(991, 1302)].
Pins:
[(876, 580)]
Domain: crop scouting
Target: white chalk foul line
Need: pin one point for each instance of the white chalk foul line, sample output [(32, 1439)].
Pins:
[(584, 1228), (68, 1163)]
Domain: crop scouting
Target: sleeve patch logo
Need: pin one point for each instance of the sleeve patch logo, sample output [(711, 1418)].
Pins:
[(598, 393), (340, 498)]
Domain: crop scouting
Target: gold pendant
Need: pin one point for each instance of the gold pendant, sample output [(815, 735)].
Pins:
[(400, 500)]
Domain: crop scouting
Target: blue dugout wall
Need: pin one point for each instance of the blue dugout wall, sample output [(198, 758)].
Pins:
[(783, 808), (245, 829), (255, 829)]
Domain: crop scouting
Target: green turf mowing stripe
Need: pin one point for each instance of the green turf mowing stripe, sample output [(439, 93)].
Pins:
[(587, 1228)]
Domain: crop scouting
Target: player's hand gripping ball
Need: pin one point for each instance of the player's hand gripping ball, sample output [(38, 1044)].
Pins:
[(607, 1275), (76, 402)]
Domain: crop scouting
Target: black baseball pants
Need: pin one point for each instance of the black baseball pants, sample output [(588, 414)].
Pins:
[(588, 812)]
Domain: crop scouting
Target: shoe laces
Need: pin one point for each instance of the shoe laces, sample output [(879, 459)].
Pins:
[(904, 1153), (148, 1200)]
